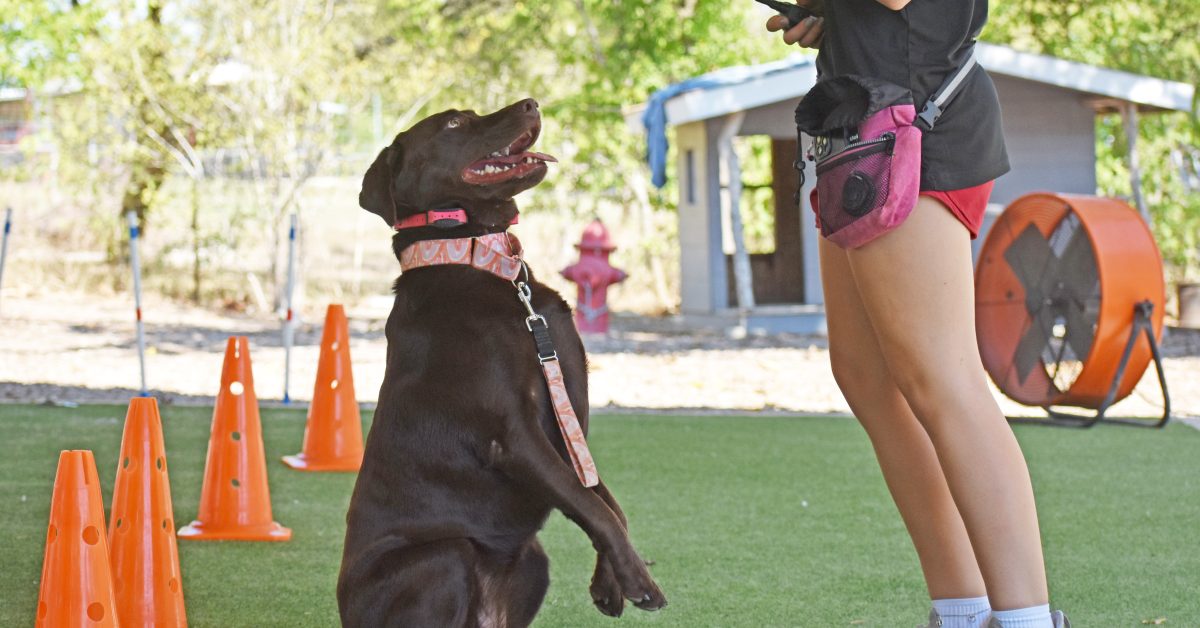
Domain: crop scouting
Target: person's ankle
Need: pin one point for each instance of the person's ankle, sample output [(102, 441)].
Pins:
[(1029, 617)]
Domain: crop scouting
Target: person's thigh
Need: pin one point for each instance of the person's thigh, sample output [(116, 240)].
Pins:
[(917, 283), (857, 362)]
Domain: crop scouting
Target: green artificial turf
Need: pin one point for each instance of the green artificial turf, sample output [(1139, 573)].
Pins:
[(749, 522)]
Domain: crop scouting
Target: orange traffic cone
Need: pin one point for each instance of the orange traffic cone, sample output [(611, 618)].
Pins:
[(235, 501), (333, 436), (141, 534), (76, 585)]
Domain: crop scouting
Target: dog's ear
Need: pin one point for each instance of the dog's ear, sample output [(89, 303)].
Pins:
[(376, 193)]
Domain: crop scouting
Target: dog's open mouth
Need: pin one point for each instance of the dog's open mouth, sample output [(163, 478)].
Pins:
[(511, 162)]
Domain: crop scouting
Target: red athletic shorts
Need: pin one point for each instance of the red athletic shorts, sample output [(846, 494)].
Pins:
[(968, 204)]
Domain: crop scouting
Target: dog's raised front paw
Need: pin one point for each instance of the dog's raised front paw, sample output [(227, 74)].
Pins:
[(606, 592), (644, 592), (651, 600), (611, 605)]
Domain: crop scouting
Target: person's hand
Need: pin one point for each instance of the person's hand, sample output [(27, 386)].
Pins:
[(807, 33)]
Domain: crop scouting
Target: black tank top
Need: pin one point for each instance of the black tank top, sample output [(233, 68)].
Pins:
[(918, 47)]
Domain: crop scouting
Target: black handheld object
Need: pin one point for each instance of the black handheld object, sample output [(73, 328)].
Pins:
[(793, 12)]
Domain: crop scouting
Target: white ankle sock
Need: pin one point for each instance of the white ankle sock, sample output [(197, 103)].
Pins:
[(1032, 617), (969, 612)]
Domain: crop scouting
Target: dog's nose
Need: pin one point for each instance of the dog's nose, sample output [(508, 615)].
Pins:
[(528, 105)]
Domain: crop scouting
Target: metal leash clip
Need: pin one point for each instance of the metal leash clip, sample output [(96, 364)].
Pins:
[(541, 336), (525, 295)]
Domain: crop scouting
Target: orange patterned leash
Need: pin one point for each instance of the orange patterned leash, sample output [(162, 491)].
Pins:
[(568, 422)]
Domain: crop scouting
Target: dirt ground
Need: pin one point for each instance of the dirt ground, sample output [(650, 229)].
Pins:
[(76, 349)]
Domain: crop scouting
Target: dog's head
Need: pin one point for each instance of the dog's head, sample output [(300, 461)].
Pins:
[(459, 159)]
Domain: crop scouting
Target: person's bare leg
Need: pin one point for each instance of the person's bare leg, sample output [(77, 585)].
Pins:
[(916, 283), (906, 456)]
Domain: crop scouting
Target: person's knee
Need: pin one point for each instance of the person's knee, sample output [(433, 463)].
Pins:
[(856, 374), (917, 381), (948, 391)]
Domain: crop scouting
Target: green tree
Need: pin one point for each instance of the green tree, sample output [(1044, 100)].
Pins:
[(585, 61), (39, 39), (1156, 38), (167, 82)]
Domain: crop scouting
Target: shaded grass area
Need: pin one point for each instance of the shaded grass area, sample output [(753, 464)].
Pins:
[(749, 521)]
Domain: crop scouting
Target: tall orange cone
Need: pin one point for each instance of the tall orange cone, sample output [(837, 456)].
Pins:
[(76, 585), (333, 437), (141, 532), (235, 501)]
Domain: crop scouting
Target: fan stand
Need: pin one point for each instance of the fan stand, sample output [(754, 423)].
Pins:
[(1141, 323)]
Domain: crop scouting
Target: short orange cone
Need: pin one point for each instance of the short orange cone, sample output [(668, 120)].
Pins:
[(76, 585), (333, 437), (235, 501), (141, 532)]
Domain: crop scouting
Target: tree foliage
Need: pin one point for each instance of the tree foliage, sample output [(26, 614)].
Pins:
[(1156, 38), (39, 40), (269, 91)]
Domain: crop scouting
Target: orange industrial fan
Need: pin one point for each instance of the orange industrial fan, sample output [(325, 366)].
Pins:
[(1069, 297)]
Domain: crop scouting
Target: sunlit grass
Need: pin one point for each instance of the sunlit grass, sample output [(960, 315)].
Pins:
[(749, 521)]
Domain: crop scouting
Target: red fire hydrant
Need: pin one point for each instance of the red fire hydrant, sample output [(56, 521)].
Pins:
[(594, 275)]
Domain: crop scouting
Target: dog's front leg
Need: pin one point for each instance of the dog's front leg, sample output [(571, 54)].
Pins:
[(531, 458), (605, 590)]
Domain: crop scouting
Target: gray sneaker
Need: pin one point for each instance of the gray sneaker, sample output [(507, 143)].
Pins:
[(1058, 618), (935, 620)]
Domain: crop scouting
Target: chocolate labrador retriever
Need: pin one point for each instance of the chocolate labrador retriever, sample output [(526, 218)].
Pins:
[(465, 459)]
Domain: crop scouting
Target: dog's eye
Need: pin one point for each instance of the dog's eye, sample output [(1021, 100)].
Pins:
[(454, 123)]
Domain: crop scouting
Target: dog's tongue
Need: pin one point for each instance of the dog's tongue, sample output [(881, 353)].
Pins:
[(541, 156)]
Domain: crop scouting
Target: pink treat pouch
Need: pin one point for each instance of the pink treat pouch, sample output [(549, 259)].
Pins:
[(868, 185), (867, 149)]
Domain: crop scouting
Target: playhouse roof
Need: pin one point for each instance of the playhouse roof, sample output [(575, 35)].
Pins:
[(745, 87)]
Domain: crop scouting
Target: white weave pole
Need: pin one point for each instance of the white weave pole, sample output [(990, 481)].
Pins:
[(4, 242), (289, 322), (134, 236)]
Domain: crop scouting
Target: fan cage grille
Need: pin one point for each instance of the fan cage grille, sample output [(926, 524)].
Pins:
[(1083, 327)]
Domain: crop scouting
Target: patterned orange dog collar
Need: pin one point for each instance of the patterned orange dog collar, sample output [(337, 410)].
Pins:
[(496, 253)]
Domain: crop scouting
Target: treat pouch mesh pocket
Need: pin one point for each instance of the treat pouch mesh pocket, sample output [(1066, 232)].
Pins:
[(854, 183)]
